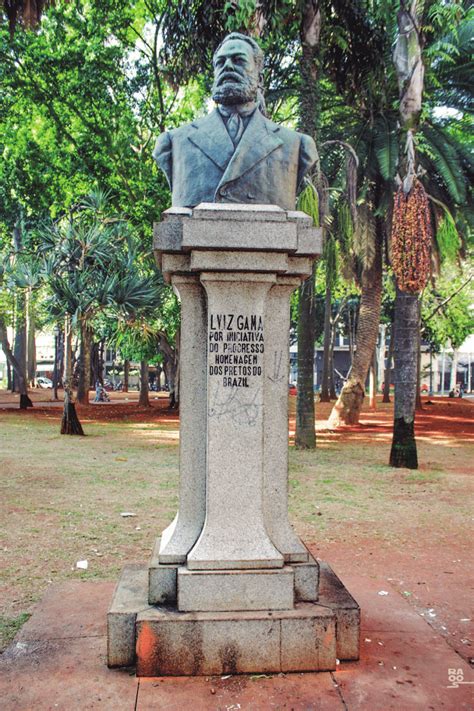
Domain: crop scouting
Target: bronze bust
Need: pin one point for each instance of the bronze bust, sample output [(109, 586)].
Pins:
[(235, 154)]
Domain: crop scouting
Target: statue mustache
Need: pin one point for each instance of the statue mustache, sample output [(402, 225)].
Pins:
[(230, 76)]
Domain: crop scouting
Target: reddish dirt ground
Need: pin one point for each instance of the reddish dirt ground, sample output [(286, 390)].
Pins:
[(427, 574)]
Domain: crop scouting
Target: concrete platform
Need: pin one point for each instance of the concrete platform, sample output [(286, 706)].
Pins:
[(231, 590), (163, 580), (58, 662), (173, 643), (302, 637)]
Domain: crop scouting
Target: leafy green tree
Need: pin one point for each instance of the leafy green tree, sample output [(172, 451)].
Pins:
[(91, 266)]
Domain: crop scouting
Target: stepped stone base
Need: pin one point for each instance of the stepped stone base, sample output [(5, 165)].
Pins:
[(171, 643), (235, 590), (163, 580), (164, 641)]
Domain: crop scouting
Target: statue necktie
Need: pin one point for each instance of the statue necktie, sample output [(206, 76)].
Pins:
[(235, 127)]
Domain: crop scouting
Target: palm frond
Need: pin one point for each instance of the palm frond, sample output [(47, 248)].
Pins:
[(386, 147), (308, 202), (445, 160), (364, 237)]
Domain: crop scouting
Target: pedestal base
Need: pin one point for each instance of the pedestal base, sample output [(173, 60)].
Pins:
[(165, 642)]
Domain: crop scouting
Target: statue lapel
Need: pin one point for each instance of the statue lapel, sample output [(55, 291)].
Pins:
[(211, 137), (259, 139)]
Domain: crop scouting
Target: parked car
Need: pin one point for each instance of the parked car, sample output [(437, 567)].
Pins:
[(43, 382)]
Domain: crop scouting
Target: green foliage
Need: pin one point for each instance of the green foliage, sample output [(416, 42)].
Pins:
[(308, 202), (330, 256), (447, 314), (442, 158), (386, 146), (364, 240), (345, 226), (447, 238)]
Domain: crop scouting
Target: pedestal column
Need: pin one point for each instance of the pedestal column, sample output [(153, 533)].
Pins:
[(275, 441), (234, 534), (180, 536)]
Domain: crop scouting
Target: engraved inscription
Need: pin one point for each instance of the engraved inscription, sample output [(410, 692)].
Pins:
[(236, 347)]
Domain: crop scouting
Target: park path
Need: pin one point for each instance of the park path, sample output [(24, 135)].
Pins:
[(58, 662)]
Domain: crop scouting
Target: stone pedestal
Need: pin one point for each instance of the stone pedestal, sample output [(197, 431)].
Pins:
[(230, 586)]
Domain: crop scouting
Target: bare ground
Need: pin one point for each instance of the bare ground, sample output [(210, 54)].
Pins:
[(62, 500)]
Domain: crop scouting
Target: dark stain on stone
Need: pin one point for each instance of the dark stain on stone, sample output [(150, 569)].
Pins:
[(229, 657), (192, 639)]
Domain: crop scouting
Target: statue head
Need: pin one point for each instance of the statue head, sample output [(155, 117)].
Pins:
[(238, 67)]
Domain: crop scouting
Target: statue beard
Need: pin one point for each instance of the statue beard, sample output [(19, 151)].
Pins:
[(233, 91)]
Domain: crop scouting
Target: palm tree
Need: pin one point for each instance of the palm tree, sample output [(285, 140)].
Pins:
[(371, 127), (412, 237), (91, 266)]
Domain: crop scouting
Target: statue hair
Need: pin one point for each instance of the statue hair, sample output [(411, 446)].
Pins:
[(259, 59)]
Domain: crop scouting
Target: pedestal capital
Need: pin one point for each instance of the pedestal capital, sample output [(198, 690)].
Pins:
[(235, 237)]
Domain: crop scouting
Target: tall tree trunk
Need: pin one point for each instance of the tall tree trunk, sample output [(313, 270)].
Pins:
[(388, 370), (70, 422), (61, 345), (332, 384), (20, 348), (67, 371), (305, 437), (454, 370), (324, 395), (159, 370), (309, 102), (85, 365), (406, 324), (31, 338), (126, 372), (418, 403), (407, 57), (373, 383), (170, 365), (347, 409), (16, 366), (144, 400), (380, 353), (351, 336)]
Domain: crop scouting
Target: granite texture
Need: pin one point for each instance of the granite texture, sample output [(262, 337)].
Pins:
[(162, 580), (227, 590), (275, 431), (336, 597), (205, 643), (208, 234), (243, 212), (238, 261), (178, 540), (306, 580), (308, 643), (130, 597), (239, 587), (234, 534)]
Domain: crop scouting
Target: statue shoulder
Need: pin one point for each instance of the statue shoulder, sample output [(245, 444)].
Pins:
[(188, 128), (289, 134)]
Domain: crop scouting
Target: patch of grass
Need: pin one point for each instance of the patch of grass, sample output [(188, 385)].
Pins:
[(427, 476), (9, 626)]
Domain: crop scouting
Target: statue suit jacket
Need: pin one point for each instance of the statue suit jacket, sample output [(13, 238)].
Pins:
[(202, 164)]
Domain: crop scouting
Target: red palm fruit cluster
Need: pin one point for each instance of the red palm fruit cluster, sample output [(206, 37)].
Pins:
[(411, 238)]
